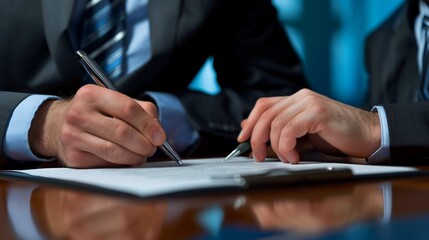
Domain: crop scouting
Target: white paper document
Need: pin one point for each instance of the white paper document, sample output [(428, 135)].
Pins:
[(157, 178)]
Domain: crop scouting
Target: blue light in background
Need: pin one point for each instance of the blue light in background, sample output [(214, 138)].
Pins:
[(329, 37), (205, 80)]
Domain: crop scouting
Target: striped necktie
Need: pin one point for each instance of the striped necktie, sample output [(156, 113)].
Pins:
[(103, 33), (424, 91)]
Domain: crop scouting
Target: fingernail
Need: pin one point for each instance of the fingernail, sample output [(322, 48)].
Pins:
[(157, 137), (239, 135), (282, 159)]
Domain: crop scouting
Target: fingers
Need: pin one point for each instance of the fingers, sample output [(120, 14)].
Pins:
[(116, 131), (86, 160), (284, 120), (286, 141), (92, 151), (271, 124), (120, 106), (100, 127), (149, 107), (257, 120), (261, 106), (281, 121)]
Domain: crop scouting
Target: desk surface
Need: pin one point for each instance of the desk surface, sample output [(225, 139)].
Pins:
[(377, 209)]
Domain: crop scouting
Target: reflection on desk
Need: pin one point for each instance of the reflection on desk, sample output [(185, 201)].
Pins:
[(365, 210)]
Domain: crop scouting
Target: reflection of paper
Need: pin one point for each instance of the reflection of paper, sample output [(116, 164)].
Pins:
[(166, 177)]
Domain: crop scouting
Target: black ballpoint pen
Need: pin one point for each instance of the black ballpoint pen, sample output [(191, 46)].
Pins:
[(101, 79), (240, 149)]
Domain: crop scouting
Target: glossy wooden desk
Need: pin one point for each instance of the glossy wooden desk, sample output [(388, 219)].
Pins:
[(323, 211)]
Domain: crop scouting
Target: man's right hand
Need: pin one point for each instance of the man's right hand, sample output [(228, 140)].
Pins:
[(96, 128)]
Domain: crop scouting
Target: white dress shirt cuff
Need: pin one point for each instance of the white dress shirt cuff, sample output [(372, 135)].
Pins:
[(382, 155), (16, 145)]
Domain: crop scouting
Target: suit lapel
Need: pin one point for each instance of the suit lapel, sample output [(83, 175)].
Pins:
[(56, 18), (402, 79), (163, 20)]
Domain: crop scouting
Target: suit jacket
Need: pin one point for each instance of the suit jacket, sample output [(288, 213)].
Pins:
[(252, 55), (394, 82)]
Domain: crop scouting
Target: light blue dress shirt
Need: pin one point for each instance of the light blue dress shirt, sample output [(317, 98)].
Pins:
[(138, 53)]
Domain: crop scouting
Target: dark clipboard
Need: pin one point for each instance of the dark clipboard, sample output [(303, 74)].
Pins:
[(278, 177)]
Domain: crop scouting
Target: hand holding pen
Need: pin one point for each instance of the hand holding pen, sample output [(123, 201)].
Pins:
[(329, 126), (244, 139), (101, 79), (260, 129)]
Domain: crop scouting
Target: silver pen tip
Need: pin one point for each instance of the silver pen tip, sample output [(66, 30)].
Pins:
[(234, 153), (80, 53)]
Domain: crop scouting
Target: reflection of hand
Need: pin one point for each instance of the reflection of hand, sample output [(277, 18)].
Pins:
[(323, 213), (98, 127), (332, 127), (74, 215)]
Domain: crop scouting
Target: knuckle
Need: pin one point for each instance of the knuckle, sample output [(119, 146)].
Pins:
[(318, 109), (67, 135), (262, 102), (151, 109), (122, 130), (74, 115), (266, 116), (109, 150), (305, 92), (85, 92), (314, 103), (254, 142), (310, 100), (129, 107), (277, 123), (289, 129), (285, 147)]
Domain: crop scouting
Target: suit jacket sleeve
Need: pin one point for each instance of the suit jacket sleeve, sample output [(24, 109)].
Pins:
[(253, 58), (409, 132), (8, 103)]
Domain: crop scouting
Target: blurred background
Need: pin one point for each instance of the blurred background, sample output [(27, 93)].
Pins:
[(329, 36)]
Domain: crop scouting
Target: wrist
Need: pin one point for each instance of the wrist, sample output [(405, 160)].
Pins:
[(44, 129), (382, 154), (374, 134)]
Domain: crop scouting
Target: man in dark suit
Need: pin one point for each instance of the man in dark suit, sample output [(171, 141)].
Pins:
[(394, 62), (396, 131), (96, 127)]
